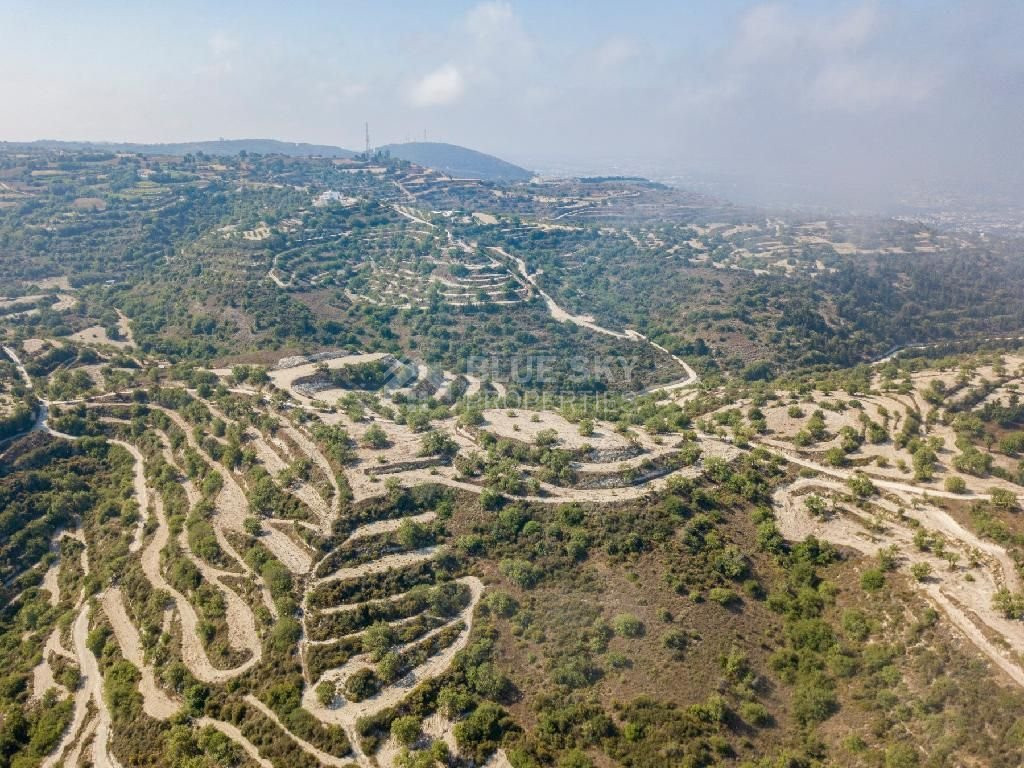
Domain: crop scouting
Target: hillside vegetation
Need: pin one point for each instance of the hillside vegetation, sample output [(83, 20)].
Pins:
[(348, 462)]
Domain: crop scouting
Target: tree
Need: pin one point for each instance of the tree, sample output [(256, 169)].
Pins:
[(405, 730), (520, 572), (676, 641), (361, 685), (924, 463), (413, 535), (546, 438), (816, 426), (1011, 605), (436, 443), (1003, 498), (921, 571), (861, 485), (901, 756), (872, 580), (955, 484), (627, 625), (376, 437), (389, 667), (835, 457), (326, 693), (378, 639), (972, 461), (480, 733)]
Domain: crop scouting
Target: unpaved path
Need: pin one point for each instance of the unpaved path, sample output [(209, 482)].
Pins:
[(310, 448), (968, 604), (193, 497), (304, 745), (349, 713), (386, 526), (17, 364), (236, 735), (233, 508), (588, 321), (242, 634), (844, 474), (141, 492), (556, 312), (89, 732), (51, 583), (42, 673), (155, 702), (79, 631), (385, 563), (193, 653), (407, 213), (364, 488), (92, 683)]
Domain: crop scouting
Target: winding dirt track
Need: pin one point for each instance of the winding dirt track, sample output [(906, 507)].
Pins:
[(233, 508), (350, 712), (385, 563), (304, 745), (967, 603), (236, 735), (141, 492), (155, 702), (192, 649), (588, 322), (42, 673), (91, 690), (242, 634), (51, 583)]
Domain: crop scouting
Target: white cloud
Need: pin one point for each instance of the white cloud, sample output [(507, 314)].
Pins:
[(614, 53), (491, 19), (223, 54), (444, 85), (772, 28), (493, 39), (860, 86), (825, 60), (490, 53), (222, 45)]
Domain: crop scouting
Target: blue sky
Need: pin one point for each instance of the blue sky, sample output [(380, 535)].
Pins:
[(858, 93)]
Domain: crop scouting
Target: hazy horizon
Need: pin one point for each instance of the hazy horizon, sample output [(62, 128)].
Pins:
[(855, 101)]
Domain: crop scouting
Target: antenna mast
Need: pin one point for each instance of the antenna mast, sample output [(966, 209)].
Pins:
[(367, 141)]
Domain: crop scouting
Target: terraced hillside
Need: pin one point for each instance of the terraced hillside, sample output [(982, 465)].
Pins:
[(347, 462), (296, 575)]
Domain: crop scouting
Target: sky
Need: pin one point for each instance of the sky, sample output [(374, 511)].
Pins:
[(854, 100)]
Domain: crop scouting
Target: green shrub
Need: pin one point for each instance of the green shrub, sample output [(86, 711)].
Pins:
[(872, 580), (361, 685), (520, 572), (755, 713), (628, 625), (955, 484), (921, 571), (405, 730), (724, 596)]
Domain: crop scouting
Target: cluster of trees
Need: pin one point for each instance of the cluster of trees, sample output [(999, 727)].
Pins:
[(18, 419)]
